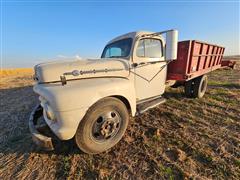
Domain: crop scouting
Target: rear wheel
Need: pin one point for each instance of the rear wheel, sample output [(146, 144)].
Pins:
[(197, 87), (103, 126), (188, 88)]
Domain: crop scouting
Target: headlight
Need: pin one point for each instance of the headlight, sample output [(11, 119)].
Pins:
[(47, 109), (42, 100), (49, 112)]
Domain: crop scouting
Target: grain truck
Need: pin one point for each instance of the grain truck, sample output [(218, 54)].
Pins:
[(91, 100)]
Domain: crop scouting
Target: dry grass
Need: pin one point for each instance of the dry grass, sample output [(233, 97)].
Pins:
[(13, 72), (12, 78), (183, 138)]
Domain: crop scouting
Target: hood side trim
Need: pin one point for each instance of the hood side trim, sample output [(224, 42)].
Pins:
[(84, 78), (80, 72)]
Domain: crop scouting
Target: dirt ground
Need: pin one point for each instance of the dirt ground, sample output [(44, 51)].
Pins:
[(183, 138)]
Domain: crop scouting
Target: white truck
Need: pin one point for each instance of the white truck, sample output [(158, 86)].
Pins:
[(91, 100)]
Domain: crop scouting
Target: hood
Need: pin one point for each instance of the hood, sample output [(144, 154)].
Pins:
[(84, 68)]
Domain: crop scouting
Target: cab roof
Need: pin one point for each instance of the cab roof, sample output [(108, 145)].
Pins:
[(130, 35)]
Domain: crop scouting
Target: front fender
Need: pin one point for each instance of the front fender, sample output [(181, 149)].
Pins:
[(84, 93), (71, 101)]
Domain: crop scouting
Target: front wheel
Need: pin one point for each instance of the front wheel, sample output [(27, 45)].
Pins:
[(103, 126)]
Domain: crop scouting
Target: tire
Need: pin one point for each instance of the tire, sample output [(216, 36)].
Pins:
[(103, 126), (188, 88), (200, 86), (196, 88)]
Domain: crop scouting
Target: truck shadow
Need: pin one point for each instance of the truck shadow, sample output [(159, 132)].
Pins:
[(16, 143), (176, 93)]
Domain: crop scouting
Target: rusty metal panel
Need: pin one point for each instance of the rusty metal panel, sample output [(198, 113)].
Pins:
[(180, 66), (194, 59)]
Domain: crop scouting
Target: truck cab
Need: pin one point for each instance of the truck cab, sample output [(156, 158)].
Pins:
[(145, 54), (91, 100)]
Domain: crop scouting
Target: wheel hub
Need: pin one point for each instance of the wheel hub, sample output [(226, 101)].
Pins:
[(106, 126)]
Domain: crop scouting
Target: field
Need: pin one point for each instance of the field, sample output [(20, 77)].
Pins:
[(183, 138)]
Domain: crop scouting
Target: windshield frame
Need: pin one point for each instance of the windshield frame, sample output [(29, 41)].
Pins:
[(107, 46)]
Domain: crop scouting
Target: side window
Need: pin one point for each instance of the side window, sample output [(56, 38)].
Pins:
[(151, 48)]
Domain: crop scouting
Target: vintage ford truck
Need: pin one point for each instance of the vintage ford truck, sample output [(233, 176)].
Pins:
[(91, 100)]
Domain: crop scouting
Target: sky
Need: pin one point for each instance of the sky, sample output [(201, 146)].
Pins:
[(40, 30)]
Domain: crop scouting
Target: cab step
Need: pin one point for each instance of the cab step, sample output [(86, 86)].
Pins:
[(146, 105)]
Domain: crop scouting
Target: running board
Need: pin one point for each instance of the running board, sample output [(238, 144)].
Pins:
[(141, 108)]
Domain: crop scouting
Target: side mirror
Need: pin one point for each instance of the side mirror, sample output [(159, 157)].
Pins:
[(171, 45)]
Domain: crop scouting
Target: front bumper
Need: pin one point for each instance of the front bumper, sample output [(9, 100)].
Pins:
[(40, 139)]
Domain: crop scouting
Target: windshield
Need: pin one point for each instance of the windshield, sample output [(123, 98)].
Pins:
[(117, 49)]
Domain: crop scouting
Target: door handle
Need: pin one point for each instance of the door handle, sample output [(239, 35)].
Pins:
[(134, 65), (137, 64), (142, 63)]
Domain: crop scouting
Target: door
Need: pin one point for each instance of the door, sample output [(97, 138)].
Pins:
[(150, 70)]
